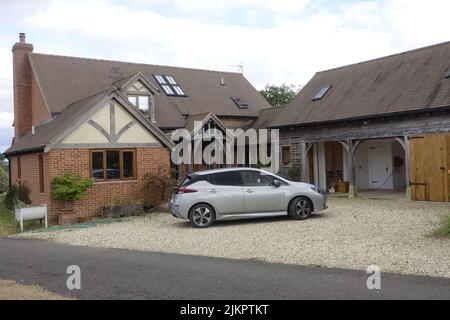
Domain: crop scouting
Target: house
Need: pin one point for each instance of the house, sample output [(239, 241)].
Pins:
[(111, 121), (378, 125)]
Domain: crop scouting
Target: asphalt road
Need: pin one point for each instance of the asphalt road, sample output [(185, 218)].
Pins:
[(121, 274)]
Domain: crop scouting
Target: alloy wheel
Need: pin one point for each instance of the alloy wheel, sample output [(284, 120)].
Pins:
[(202, 216), (303, 208)]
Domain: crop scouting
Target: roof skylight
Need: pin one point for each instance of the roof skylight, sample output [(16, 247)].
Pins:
[(448, 74), (323, 91), (241, 104), (170, 86)]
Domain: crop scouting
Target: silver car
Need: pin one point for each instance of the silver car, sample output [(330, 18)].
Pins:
[(242, 193)]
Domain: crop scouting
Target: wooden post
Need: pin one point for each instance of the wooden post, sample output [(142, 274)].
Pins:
[(304, 164), (351, 170), (408, 168)]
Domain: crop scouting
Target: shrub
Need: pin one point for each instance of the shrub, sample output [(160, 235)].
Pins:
[(4, 181), (160, 183), (69, 188), (17, 193)]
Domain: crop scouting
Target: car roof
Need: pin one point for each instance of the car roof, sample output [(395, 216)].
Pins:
[(200, 173)]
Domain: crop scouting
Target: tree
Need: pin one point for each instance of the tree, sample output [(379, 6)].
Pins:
[(279, 96), (3, 162), (4, 181)]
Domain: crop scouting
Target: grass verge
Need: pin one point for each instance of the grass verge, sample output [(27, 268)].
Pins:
[(444, 230), (7, 220)]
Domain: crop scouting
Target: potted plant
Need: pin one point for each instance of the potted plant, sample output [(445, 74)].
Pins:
[(85, 219), (70, 188)]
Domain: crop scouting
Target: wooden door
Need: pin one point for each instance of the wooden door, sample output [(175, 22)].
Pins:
[(429, 167)]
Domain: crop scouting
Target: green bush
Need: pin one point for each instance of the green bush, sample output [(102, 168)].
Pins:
[(4, 181), (17, 193), (69, 188)]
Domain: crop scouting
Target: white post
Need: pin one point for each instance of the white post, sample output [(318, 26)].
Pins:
[(46, 218), (21, 222)]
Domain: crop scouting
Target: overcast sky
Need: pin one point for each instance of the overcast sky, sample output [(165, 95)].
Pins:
[(277, 41)]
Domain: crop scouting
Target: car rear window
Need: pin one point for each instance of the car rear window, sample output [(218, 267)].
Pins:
[(232, 178), (191, 179)]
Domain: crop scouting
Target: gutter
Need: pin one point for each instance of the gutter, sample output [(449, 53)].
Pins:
[(24, 151)]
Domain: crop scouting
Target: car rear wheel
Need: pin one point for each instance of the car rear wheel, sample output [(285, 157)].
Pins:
[(301, 208), (202, 216)]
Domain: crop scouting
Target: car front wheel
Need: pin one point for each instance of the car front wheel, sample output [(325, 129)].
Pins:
[(300, 208), (202, 216)]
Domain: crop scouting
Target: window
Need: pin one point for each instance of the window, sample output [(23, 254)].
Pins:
[(113, 164), (41, 174), (170, 86), (241, 104), (286, 155), (322, 93), (19, 168), (256, 179), (193, 178), (232, 178), (141, 102)]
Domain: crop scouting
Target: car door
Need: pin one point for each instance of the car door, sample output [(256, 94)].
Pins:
[(260, 195), (226, 193)]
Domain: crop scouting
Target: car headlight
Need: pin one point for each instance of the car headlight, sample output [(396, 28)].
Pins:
[(314, 188)]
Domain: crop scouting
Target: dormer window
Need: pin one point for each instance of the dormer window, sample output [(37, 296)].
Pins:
[(170, 86), (140, 101)]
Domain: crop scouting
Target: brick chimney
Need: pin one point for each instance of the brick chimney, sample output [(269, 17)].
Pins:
[(22, 87)]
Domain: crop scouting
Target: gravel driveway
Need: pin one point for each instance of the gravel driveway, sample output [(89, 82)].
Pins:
[(351, 234)]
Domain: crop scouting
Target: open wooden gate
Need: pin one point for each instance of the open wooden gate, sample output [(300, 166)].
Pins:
[(430, 162)]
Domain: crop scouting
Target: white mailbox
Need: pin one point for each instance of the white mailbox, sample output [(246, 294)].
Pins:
[(34, 212)]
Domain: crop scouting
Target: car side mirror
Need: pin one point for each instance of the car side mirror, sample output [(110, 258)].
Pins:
[(276, 183)]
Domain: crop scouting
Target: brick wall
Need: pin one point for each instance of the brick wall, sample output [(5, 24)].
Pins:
[(30, 176), (22, 88), (77, 161)]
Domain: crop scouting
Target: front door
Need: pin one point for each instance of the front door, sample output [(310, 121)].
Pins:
[(380, 167), (260, 196)]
